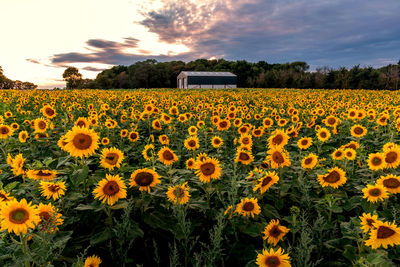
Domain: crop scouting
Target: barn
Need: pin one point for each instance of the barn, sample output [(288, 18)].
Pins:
[(206, 79)]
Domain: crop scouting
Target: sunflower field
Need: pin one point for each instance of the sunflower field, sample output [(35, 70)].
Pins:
[(167, 177)]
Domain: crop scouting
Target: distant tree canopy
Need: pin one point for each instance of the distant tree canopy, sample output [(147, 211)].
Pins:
[(153, 74), (6, 83)]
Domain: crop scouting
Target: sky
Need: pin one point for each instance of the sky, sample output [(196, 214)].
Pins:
[(40, 38)]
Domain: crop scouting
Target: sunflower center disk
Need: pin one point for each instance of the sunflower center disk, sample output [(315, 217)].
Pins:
[(308, 161), (82, 141), (385, 232), (244, 156), (391, 183), (332, 177), (278, 158), (19, 216), (248, 206), (44, 215), (4, 130), (111, 158), (144, 179), (207, 168), (266, 181), (391, 157), (111, 188), (168, 155), (277, 140), (272, 261), (358, 130), (375, 192), (54, 188), (275, 232)]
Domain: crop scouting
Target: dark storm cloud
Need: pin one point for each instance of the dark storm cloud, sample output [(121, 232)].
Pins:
[(333, 33)]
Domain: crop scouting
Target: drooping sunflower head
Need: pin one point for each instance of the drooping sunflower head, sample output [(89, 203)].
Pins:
[(274, 232), (111, 158), (18, 216), (375, 193), (383, 234), (110, 189), (367, 221), (167, 156), (248, 207), (81, 142), (178, 194), (334, 178), (208, 169), (49, 218), (144, 179)]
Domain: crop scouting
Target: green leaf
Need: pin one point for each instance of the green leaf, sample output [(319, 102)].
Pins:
[(10, 186), (121, 205), (100, 237)]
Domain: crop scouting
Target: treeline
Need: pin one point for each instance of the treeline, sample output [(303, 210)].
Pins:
[(6, 83), (153, 74)]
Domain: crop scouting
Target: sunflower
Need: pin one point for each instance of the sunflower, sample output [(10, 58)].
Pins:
[(62, 143), (123, 133), (40, 125), (267, 122), (105, 141), (274, 232), (392, 157), (266, 181), (350, 153), (390, 182), (190, 163), (156, 124), (277, 158), (383, 234), (43, 175), (192, 143), (358, 131), (5, 131), (164, 140), (49, 217), (304, 142), (192, 130), (110, 189), (92, 261), (111, 158), (4, 197), (278, 138), (17, 216), (167, 156), (273, 258), (201, 157), (217, 142), (367, 221), (17, 165), (81, 142), (52, 189), (208, 169), (257, 132), (309, 161), (48, 111), (338, 154), (22, 136), (375, 193), (144, 179), (133, 136), (246, 140), (248, 207), (243, 156), (334, 178), (323, 134), (353, 144), (376, 161), (223, 125), (178, 194)]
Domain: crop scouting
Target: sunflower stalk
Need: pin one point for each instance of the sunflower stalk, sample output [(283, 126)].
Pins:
[(25, 248)]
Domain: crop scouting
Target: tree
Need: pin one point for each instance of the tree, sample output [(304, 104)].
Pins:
[(73, 78)]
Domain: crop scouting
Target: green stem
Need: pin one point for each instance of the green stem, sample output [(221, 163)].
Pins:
[(24, 242)]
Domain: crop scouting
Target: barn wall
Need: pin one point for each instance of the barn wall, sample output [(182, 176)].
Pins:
[(215, 86)]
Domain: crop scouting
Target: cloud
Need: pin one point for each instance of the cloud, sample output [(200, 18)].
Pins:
[(323, 32)]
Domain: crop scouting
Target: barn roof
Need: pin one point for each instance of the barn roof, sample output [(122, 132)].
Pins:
[(208, 73)]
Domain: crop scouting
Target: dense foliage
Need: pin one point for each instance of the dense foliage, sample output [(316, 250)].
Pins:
[(6, 83), (153, 74), (169, 177)]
